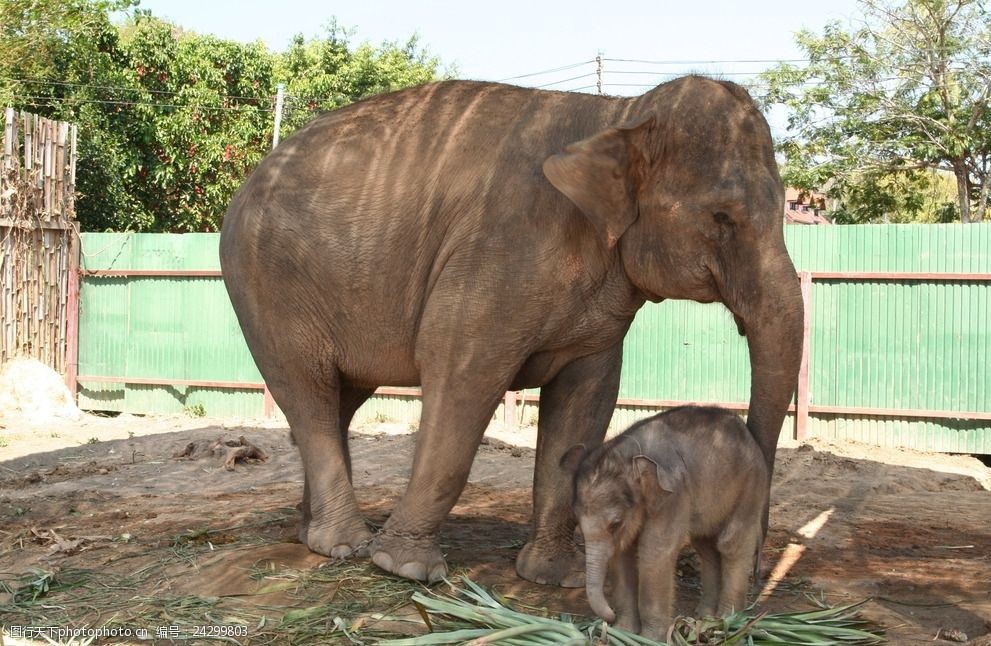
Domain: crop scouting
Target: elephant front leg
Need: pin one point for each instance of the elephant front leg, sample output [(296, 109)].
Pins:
[(575, 407), (658, 562), (737, 555), (625, 582)]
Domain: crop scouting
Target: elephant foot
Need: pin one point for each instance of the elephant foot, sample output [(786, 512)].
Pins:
[(629, 623), (705, 610), (656, 632), (561, 563), (336, 542), (411, 556)]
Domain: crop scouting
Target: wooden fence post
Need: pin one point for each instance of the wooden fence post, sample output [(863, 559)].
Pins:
[(802, 404), (509, 409), (268, 405), (72, 315)]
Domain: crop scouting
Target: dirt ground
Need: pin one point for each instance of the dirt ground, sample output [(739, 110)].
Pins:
[(116, 524)]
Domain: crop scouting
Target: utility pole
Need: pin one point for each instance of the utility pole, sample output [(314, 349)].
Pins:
[(279, 97), (598, 72)]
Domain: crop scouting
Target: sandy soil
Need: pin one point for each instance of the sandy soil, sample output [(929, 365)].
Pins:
[(909, 530)]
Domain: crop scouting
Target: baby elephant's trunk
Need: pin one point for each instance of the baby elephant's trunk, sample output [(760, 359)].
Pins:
[(597, 557)]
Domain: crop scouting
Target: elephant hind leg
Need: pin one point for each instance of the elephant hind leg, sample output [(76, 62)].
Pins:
[(737, 552), (575, 407), (351, 400), (332, 525)]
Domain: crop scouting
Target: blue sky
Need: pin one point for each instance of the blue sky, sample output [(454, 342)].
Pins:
[(506, 38)]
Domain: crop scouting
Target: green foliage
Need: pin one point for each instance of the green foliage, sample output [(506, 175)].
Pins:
[(876, 106), (196, 410), (46, 36), (472, 614), (923, 196), (62, 60), (36, 583), (171, 122), (211, 127), (327, 73), (383, 418)]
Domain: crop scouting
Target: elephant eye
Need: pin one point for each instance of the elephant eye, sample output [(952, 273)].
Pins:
[(614, 525), (725, 226)]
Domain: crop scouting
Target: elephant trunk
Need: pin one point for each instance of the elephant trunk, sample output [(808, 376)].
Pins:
[(774, 336), (597, 555), (760, 287), (767, 305)]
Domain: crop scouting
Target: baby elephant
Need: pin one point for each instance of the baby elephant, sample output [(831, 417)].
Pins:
[(690, 473)]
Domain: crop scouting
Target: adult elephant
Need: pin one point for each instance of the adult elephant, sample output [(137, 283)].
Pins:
[(472, 238)]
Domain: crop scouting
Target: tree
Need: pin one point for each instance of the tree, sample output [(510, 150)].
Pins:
[(36, 34), (921, 196), (327, 73), (62, 59), (877, 108), (171, 121), (200, 122)]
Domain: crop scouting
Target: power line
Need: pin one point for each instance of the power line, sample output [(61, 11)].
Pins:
[(268, 100), (550, 71), (340, 96), (701, 62), (301, 102), (688, 62), (763, 61), (573, 78), (652, 73), (628, 85), (118, 88), (49, 102)]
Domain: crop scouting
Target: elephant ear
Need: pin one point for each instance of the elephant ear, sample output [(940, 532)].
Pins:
[(654, 479), (602, 176), (572, 458)]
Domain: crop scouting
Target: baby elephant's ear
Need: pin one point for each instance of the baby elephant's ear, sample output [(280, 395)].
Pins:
[(572, 458), (653, 478)]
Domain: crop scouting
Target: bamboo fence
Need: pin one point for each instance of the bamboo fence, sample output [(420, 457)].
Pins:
[(37, 237)]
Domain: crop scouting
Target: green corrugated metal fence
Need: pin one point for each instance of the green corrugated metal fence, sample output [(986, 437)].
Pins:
[(900, 344), (875, 344), (160, 327)]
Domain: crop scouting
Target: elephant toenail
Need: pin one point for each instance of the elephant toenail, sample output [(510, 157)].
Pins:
[(383, 560), (438, 573), (413, 570)]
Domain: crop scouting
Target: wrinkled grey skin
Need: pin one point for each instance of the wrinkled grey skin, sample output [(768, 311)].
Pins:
[(471, 238), (689, 474)]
